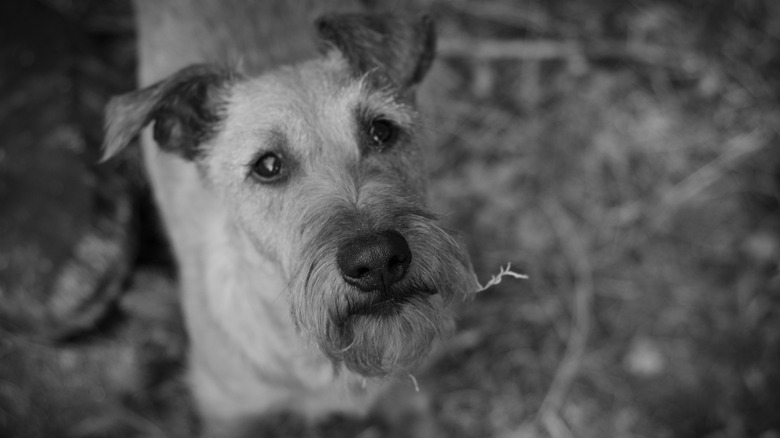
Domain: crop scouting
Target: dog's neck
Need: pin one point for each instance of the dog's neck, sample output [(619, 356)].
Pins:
[(247, 347)]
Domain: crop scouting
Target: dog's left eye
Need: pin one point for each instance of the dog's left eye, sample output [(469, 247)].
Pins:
[(268, 167), (382, 132)]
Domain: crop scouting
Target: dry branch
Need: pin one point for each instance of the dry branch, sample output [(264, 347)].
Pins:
[(734, 152), (536, 50), (576, 251)]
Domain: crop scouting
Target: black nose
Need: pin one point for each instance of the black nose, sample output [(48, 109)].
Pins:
[(375, 261)]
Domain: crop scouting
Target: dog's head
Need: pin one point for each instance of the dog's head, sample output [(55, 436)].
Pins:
[(318, 166)]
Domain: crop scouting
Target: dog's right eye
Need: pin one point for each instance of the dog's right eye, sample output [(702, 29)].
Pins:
[(382, 133), (268, 168)]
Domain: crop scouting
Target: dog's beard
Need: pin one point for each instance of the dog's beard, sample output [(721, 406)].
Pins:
[(377, 335), (377, 345)]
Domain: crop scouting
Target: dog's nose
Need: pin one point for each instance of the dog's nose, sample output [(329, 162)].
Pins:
[(375, 261)]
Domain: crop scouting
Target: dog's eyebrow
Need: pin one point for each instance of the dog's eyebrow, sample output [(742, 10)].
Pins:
[(376, 103), (277, 141), (367, 113)]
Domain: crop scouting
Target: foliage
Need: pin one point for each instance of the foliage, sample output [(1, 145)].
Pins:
[(622, 155)]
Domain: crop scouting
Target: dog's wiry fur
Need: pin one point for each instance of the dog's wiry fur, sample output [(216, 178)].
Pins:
[(272, 321)]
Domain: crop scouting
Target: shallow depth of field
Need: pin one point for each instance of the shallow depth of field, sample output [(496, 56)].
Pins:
[(622, 154)]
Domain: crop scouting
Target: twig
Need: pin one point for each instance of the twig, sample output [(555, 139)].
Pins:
[(567, 371), (556, 426), (502, 272), (516, 49), (506, 14), (489, 49), (708, 174)]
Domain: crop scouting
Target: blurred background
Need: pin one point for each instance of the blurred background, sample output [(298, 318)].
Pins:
[(622, 154)]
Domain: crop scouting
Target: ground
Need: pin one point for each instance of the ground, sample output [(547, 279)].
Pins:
[(624, 156)]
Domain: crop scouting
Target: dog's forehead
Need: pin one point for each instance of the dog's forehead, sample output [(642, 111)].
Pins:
[(311, 105)]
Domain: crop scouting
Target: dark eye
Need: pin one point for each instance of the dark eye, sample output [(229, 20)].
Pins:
[(383, 133), (268, 167)]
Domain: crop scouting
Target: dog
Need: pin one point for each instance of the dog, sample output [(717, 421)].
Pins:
[(287, 169)]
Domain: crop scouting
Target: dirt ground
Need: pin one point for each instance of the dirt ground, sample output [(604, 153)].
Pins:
[(623, 155)]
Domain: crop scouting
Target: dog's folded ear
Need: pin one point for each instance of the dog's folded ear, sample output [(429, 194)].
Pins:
[(186, 108), (393, 50)]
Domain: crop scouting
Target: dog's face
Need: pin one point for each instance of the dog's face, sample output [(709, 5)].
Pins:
[(319, 168), (303, 138)]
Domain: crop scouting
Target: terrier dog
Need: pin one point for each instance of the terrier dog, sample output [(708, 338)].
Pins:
[(293, 195)]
